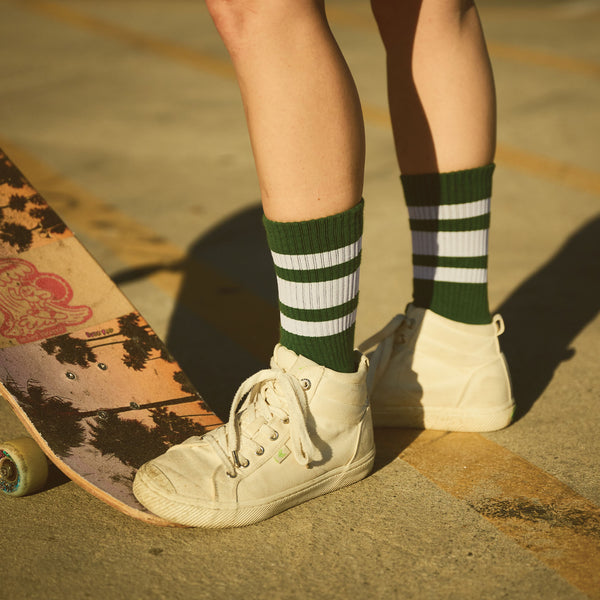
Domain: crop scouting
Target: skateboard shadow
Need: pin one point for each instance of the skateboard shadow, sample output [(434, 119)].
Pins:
[(56, 477), (543, 315)]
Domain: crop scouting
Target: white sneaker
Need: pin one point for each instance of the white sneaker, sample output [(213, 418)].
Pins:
[(429, 372), (302, 431)]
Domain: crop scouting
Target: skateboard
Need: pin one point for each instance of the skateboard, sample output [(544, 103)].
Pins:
[(92, 383)]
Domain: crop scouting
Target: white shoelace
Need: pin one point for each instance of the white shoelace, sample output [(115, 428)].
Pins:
[(380, 358), (270, 393)]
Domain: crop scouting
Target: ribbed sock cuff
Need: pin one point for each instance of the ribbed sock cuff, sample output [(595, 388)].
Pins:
[(315, 235), (455, 187), (449, 225), (317, 265)]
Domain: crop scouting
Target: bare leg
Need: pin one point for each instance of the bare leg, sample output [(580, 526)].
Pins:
[(301, 104), (307, 135), (440, 84), (442, 103)]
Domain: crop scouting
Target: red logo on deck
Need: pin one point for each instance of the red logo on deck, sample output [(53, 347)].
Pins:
[(35, 305)]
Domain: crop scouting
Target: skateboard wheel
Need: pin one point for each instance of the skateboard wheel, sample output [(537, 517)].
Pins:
[(23, 467)]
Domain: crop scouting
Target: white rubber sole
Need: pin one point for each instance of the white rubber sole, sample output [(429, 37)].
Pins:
[(195, 514), (443, 419)]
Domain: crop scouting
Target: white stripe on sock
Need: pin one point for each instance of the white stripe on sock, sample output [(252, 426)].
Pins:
[(452, 274), (320, 260), (446, 212), (323, 294), (450, 243), (318, 328)]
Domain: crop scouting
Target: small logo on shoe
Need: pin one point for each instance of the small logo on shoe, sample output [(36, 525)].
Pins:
[(282, 454)]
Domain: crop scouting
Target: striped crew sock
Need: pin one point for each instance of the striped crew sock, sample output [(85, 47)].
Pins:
[(449, 222), (317, 266)]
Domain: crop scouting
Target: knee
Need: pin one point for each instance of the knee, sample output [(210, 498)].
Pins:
[(228, 16), (398, 19), (237, 19)]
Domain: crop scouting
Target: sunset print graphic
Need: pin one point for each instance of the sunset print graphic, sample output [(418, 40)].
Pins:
[(26, 219), (105, 399)]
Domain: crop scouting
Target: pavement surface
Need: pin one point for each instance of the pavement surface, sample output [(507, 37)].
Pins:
[(126, 116)]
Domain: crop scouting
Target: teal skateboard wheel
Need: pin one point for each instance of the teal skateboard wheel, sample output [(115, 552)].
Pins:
[(23, 467)]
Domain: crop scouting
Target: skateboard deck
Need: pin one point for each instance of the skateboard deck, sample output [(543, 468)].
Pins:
[(81, 368)]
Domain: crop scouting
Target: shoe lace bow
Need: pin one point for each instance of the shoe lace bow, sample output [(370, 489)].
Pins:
[(268, 394)]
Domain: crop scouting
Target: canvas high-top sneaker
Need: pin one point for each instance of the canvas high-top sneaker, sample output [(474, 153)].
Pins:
[(296, 431), (429, 372)]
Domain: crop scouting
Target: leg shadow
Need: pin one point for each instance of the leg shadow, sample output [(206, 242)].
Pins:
[(390, 442), (543, 315), (225, 323), (548, 310)]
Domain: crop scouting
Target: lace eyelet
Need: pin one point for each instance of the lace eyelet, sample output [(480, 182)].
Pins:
[(274, 435), (306, 384), (260, 451), (236, 461), (285, 421), (232, 475)]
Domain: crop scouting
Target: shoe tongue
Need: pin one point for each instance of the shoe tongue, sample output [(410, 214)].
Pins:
[(283, 358), (252, 419), (254, 416)]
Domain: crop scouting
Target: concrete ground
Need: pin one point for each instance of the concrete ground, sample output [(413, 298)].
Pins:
[(126, 116)]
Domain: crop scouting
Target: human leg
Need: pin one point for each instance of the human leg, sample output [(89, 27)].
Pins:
[(440, 367), (440, 84), (302, 107), (303, 427), (442, 104), (307, 135)]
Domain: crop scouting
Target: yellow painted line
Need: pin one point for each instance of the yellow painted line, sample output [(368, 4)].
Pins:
[(542, 514), (563, 11), (549, 168), (175, 52), (219, 301), (336, 15), (560, 527), (532, 164), (498, 50), (519, 160), (538, 58)]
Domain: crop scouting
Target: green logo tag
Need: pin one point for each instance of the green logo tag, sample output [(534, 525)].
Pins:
[(282, 454)]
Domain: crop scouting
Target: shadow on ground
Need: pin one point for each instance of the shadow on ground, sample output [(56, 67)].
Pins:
[(548, 310), (543, 315), (216, 361)]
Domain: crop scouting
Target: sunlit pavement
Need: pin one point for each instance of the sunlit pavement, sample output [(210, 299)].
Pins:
[(126, 116)]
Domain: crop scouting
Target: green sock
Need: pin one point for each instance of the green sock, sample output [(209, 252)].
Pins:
[(449, 221), (317, 265)]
